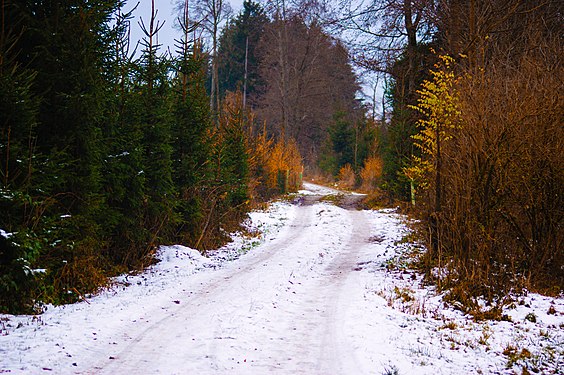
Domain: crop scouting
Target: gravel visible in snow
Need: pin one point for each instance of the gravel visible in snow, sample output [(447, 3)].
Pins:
[(316, 290)]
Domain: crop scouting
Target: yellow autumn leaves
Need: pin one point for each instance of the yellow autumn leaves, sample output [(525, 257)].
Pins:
[(439, 104)]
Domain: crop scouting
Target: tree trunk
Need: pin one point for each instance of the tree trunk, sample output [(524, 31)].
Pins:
[(246, 72), (411, 29)]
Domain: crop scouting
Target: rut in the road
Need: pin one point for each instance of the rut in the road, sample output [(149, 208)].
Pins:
[(335, 358), (275, 310)]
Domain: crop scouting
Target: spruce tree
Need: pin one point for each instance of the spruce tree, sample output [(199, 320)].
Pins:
[(63, 44), (18, 113), (234, 168), (191, 123), (238, 51), (153, 92), (342, 139), (124, 180)]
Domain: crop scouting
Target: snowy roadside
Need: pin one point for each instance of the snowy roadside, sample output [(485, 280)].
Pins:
[(382, 320), (409, 329), (44, 343)]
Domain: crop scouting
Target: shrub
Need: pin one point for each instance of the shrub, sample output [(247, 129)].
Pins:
[(347, 177), (371, 173), (490, 196)]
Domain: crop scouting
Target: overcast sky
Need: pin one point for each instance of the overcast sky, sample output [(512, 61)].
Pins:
[(167, 14)]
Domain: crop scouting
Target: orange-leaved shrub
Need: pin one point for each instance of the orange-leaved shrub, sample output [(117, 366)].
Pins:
[(371, 173), (276, 167), (347, 177)]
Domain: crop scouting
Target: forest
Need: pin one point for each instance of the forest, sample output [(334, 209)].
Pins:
[(110, 148)]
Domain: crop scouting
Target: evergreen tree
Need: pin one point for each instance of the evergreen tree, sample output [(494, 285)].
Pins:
[(397, 141), (231, 164), (235, 168), (18, 113), (348, 143), (64, 44), (124, 181), (190, 128), (342, 139), (238, 51), (152, 87)]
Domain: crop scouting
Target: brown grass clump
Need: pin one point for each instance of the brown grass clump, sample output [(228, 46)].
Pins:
[(78, 277)]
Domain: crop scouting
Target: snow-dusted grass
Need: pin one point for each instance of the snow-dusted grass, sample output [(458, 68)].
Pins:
[(312, 290), (423, 335)]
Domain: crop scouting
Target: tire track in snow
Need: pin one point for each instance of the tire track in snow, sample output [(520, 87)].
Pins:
[(336, 356), (144, 348), (275, 310), (320, 342)]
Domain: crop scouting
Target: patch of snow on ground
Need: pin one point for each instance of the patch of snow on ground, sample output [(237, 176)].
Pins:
[(316, 290), (312, 189)]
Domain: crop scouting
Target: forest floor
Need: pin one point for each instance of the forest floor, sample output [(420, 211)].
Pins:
[(314, 286)]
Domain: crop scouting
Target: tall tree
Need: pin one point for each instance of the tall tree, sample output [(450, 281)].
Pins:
[(392, 37), (191, 124), (238, 51), (378, 31), (303, 89), (64, 44), (209, 15), (18, 119), (123, 167), (153, 88)]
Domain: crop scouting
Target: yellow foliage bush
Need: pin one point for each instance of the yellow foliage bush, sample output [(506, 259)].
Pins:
[(439, 103), (276, 166), (371, 172)]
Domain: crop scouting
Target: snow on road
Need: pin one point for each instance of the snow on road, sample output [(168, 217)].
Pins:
[(314, 293)]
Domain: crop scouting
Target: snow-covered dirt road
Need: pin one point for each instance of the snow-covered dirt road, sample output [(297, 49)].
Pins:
[(278, 309), (313, 294)]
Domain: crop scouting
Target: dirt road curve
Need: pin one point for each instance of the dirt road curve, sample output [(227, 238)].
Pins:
[(276, 310)]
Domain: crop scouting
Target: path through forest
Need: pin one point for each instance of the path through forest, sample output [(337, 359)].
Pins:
[(320, 289), (279, 310)]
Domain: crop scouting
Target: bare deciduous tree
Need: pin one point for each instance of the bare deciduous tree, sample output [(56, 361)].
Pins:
[(378, 31), (209, 15), (308, 79)]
